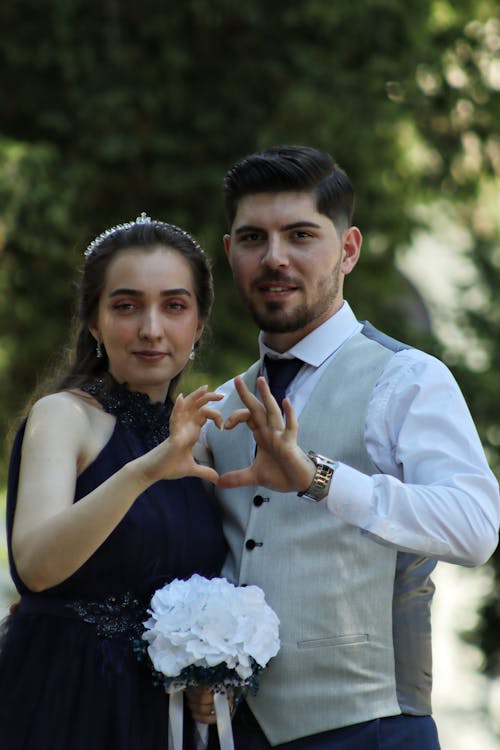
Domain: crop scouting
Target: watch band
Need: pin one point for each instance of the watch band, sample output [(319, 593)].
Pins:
[(325, 468)]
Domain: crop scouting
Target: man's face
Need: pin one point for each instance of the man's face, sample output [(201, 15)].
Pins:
[(289, 262)]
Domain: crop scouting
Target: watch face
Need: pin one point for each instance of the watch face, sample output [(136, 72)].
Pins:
[(320, 484)]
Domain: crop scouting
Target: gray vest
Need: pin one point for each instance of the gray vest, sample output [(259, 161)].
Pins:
[(331, 586)]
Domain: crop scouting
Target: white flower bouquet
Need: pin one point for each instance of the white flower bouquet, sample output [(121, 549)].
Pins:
[(210, 632)]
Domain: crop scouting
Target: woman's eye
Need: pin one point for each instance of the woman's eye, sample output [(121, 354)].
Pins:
[(176, 306), (124, 306)]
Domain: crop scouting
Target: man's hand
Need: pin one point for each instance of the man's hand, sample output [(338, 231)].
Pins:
[(280, 464)]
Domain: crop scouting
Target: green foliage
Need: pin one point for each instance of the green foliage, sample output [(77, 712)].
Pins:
[(114, 107)]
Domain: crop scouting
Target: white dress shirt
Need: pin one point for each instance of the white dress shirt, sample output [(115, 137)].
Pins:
[(435, 494)]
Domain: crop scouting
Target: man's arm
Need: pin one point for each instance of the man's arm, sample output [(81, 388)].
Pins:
[(435, 494)]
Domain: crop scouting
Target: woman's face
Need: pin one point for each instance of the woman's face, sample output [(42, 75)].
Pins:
[(147, 318)]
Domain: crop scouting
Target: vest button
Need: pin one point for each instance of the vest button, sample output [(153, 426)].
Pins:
[(250, 544), (258, 500)]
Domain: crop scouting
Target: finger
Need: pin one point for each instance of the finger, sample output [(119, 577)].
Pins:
[(177, 409), (271, 405), (202, 396), (251, 401), (206, 472), (291, 422), (214, 415), (238, 416), (201, 695), (248, 398), (205, 398), (198, 391), (266, 395), (240, 478), (204, 718), (201, 705)]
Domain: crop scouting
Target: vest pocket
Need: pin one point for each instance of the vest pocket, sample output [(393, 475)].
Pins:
[(337, 640)]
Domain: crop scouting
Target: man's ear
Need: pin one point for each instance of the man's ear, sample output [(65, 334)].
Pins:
[(352, 239), (227, 246)]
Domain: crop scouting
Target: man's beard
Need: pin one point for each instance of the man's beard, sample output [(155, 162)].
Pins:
[(273, 319)]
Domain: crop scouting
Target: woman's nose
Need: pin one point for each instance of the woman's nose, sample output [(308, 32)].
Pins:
[(150, 324)]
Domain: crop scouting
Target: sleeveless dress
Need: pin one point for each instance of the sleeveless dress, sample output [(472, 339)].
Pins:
[(69, 676)]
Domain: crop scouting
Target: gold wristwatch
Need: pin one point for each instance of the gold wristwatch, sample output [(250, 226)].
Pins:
[(325, 468)]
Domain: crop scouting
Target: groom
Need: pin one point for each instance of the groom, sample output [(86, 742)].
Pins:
[(341, 520)]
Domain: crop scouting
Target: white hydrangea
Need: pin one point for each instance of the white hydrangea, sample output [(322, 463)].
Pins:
[(207, 622)]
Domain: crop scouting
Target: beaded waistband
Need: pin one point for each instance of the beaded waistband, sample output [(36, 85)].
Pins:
[(120, 615)]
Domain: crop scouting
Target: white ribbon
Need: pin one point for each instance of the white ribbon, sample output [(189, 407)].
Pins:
[(175, 720), (221, 705), (175, 723)]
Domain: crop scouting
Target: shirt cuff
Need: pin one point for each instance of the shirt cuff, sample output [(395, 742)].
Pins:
[(350, 495)]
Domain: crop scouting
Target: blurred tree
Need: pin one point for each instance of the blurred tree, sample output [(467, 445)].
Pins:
[(114, 107)]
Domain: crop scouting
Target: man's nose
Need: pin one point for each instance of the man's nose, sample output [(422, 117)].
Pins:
[(276, 254)]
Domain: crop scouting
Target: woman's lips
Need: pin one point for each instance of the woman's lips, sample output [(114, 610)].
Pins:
[(150, 356)]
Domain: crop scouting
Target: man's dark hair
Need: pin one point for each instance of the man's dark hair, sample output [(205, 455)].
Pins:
[(292, 169)]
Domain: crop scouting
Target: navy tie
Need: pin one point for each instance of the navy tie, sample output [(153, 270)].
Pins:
[(280, 373)]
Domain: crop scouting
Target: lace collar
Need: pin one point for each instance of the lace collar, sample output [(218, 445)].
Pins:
[(150, 420)]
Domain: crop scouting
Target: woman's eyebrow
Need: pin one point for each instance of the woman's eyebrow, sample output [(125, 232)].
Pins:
[(138, 293)]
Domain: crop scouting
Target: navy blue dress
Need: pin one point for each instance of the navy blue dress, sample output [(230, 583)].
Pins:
[(69, 676)]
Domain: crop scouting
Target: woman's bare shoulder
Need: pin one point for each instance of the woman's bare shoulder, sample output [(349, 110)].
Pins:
[(63, 405), (77, 418)]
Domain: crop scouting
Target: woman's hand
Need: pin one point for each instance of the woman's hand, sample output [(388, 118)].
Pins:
[(280, 463), (173, 458), (200, 701), (54, 536)]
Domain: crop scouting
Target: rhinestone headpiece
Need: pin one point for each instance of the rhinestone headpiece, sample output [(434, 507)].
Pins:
[(142, 219)]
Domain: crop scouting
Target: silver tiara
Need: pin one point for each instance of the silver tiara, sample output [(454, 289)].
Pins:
[(142, 219)]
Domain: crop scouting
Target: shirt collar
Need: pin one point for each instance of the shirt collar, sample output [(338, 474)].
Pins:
[(320, 344)]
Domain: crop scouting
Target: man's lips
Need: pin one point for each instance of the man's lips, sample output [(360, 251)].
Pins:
[(276, 288)]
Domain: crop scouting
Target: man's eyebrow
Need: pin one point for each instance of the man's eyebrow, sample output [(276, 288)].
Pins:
[(137, 292), (298, 224), (248, 228), (284, 228)]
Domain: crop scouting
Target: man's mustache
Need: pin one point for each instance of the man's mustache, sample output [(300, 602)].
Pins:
[(276, 277)]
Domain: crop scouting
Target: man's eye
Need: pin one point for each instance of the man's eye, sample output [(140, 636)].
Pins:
[(250, 237)]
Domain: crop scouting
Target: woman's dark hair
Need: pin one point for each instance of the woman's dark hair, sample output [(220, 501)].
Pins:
[(143, 233), (292, 168)]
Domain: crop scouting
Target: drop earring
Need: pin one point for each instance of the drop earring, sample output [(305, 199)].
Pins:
[(98, 349), (192, 354)]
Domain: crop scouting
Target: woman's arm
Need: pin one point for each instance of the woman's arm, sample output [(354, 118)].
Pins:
[(53, 536)]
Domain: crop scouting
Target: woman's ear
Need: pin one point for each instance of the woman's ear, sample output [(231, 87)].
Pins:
[(227, 246), (94, 331), (199, 331)]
